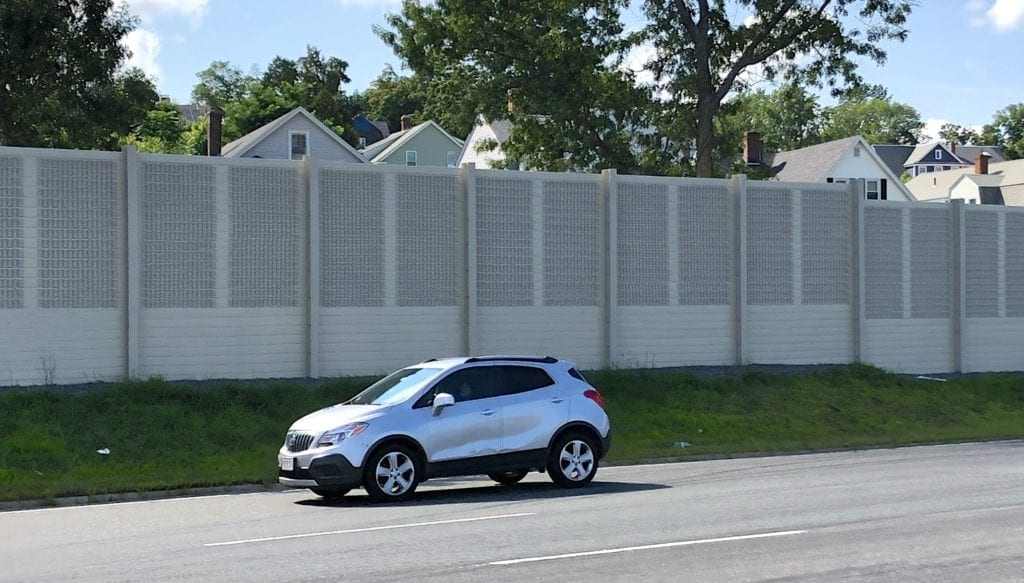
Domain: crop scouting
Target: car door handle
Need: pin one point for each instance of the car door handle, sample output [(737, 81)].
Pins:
[(558, 400), (487, 412)]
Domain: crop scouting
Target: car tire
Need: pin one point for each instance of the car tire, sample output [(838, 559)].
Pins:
[(573, 460), (508, 478), (391, 474), (331, 493)]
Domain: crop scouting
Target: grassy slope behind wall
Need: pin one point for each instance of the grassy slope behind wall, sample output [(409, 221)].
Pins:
[(172, 435)]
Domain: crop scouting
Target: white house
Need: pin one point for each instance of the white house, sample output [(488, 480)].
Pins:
[(1000, 183), (838, 161), (292, 136), (485, 133)]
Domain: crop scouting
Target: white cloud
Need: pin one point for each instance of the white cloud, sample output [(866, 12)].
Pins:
[(1002, 15), (145, 46), (636, 62), (150, 10), (932, 126)]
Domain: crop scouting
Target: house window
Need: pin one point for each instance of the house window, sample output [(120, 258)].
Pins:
[(945, 167), (930, 169), (938, 154), (362, 142), (298, 145), (839, 180), (871, 189), (973, 201), (856, 152), (452, 156), (410, 157)]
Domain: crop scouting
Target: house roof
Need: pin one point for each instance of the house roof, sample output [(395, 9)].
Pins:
[(191, 112), (810, 164), (239, 147), (921, 150), (395, 141), (894, 156), (969, 153), (937, 184)]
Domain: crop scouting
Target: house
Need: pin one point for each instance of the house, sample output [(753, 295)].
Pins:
[(426, 144), (838, 161), (1000, 183), (293, 135), (932, 157), (478, 148), (192, 112), (370, 132)]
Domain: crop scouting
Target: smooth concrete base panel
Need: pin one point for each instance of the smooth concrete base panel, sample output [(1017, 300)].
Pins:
[(570, 332), (49, 345), (799, 334), (243, 343), (909, 346), (371, 341), (656, 336)]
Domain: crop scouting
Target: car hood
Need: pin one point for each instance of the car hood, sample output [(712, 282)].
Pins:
[(336, 416)]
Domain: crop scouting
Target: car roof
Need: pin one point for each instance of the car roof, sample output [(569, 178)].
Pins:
[(452, 361)]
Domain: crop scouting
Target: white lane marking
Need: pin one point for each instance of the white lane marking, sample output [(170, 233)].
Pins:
[(650, 547), (99, 503), (369, 529)]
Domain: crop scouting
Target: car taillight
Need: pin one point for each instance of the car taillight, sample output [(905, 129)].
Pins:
[(594, 396)]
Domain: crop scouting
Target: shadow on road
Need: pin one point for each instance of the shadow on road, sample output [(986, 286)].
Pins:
[(479, 491)]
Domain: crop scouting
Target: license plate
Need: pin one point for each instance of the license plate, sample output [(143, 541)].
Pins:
[(287, 463)]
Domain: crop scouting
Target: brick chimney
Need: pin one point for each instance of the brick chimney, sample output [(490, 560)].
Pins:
[(406, 122), (214, 121), (981, 163), (513, 105), (753, 148), (951, 147)]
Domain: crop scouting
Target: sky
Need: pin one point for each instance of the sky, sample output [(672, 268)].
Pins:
[(958, 64)]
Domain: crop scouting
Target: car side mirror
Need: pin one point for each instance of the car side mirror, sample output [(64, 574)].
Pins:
[(442, 400)]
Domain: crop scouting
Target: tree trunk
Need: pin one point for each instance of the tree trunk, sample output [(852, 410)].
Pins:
[(705, 140)]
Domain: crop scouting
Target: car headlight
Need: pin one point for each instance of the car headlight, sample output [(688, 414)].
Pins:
[(340, 434)]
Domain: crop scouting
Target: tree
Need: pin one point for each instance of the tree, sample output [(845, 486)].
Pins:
[(879, 121), (62, 83), (1007, 131), (572, 107), (390, 96), (787, 118), (958, 134), (700, 51), (162, 131), (251, 101), (563, 57)]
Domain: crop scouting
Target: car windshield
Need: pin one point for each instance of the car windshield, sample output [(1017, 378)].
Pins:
[(396, 387)]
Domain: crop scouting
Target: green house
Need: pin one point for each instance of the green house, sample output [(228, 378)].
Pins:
[(426, 144)]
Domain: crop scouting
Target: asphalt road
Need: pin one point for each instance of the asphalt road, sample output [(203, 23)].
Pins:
[(944, 513)]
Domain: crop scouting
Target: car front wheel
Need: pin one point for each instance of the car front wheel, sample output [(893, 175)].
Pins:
[(572, 461), (391, 474)]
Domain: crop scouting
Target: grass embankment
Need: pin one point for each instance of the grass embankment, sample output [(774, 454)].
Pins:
[(173, 435)]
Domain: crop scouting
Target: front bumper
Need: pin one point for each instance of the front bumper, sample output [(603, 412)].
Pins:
[(328, 471)]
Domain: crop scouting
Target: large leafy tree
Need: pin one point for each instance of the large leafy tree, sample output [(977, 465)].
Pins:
[(62, 78), (878, 120), (958, 134), (572, 108), (1007, 131), (249, 101), (787, 118), (563, 56), (441, 99)]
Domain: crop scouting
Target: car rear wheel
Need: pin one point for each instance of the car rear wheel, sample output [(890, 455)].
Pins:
[(331, 493), (572, 461), (508, 478), (391, 474)]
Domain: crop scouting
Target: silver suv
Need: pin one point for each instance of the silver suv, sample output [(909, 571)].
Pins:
[(503, 416)]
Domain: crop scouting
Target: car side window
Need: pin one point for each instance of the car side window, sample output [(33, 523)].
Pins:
[(512, 380), (468, 384)]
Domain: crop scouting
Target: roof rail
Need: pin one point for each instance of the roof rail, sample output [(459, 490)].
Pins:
[(540, 359)]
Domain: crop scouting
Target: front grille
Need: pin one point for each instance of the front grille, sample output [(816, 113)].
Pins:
[(298, 441)]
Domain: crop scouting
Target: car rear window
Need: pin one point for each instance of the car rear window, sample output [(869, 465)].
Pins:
[(576, 375)]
